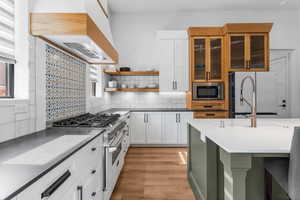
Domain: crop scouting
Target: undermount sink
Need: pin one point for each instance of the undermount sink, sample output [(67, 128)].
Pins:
[(47, 152)]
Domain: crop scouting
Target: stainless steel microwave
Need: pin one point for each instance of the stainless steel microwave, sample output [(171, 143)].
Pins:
[(208, 91)]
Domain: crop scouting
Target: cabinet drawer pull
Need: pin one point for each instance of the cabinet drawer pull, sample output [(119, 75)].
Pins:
[(94, 149), (208, 106), (210, 114), (93, 171), (52, 188), (94, 194)]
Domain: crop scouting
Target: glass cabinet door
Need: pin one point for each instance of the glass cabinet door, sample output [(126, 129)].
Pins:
[(257, 51), (199, 59), (215, 59), (237, 51)]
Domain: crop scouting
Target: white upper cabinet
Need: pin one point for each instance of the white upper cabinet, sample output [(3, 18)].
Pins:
[(181, 65), (166, 67), (173, 61)]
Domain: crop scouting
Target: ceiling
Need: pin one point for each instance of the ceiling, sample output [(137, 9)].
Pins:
[(136, 6)]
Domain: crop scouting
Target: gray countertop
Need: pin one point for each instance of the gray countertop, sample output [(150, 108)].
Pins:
[(15, 178), (151, 110)]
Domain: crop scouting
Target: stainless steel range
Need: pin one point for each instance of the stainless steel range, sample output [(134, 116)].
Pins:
[(116, 142)]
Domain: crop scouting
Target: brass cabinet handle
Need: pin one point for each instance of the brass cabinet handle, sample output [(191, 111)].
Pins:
[(210, 114)]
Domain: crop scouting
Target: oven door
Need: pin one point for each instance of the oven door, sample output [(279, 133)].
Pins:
[(114, 161), (208, 91)]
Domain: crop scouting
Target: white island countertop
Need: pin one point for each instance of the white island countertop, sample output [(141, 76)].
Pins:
[(236, 136)]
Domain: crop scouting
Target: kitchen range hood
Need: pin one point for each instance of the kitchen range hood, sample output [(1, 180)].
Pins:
[(83, 33)]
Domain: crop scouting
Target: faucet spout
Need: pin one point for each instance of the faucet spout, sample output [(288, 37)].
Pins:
[(252, 105)]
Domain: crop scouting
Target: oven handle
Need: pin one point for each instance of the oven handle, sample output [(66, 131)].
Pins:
[(114, 148), (104, 169)]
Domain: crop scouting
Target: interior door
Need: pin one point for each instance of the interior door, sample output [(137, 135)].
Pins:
[(181, 65), (272, 88), (154, 127), (166, 63), (137, 128)]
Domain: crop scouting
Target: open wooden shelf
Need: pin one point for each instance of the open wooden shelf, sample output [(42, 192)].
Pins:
[(133, 73), (132, 89)]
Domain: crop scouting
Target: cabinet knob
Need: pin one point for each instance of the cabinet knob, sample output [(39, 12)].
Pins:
[(94, 149), (93, 171), (94, 194)]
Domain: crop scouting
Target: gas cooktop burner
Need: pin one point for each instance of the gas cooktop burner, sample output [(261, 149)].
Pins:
[(98, 120)]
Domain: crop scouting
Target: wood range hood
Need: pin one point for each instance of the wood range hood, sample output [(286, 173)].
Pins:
[(77, 34)]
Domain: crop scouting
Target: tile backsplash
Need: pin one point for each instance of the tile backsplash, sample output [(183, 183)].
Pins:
[(65, 85), (148, 100)]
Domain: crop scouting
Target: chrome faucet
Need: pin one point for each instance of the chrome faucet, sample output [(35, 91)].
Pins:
[(254, 98)]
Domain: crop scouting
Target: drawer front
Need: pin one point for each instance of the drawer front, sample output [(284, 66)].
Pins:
[(210, 115), (89, 157), (209, 106), (92, 188), (34, 192)]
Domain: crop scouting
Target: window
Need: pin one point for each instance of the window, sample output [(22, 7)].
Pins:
[(7, 48), (95, 77)]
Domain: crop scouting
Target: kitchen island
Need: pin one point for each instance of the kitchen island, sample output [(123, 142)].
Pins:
[(226, 156)]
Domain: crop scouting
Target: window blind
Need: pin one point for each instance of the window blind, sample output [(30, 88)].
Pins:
[(7, 31), (94, 73)]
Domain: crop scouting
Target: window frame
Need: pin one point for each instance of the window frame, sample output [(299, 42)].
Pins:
[(10, 76)]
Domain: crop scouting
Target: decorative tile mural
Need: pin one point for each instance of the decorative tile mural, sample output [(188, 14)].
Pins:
[(65, 85)]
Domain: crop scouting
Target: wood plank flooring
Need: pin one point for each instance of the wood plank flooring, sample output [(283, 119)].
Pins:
[(154, 174)]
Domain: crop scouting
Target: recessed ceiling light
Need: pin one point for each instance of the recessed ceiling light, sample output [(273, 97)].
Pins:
[(283, 2)]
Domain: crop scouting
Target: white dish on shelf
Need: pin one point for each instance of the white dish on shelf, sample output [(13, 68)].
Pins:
[(152, 86)]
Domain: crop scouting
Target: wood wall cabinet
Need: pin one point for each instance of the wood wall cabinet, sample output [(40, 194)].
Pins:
[(248, 52), (207, 58)]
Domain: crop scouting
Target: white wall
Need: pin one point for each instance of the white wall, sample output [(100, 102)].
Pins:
[(134, 34)]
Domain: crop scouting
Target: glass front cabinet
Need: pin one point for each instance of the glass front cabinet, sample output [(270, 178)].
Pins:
[(207, 59), (248, 52)]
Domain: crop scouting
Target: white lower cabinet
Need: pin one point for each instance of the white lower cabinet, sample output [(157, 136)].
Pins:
[(137, 128), (153, 128), (183, 127), (71, 194), (78, 176), (145, 128), (157, 128), (175, 127), (170, 128)]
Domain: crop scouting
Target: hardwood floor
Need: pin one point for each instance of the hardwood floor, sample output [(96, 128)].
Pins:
[(154, 174)]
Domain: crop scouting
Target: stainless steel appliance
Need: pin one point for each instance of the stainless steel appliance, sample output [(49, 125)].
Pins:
[(208, 91), (116, 142), (114, 150)]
